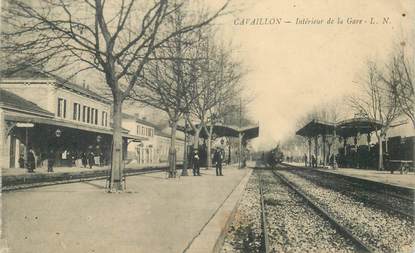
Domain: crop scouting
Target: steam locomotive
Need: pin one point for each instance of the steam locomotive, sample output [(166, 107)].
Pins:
[(273, 157)]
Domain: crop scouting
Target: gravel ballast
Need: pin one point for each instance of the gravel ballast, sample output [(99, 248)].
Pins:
[(294, 226), (383, 231)]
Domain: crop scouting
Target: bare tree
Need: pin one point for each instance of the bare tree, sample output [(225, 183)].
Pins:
[(398, 77), (169, 81), (376, 104), (218, 85), (113, 38)]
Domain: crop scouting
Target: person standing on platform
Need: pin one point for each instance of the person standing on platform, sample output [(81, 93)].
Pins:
[(21, 162), (305, 160), (313, 161), (84, 159), (217, 159), (31, 161), (91, 159), (196, 167), (51, 160)]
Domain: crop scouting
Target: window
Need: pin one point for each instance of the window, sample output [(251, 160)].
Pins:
[(76, 111), (84, 113), (88, 114), (61, 107), (92, 116), (96, 117), (104, 119)]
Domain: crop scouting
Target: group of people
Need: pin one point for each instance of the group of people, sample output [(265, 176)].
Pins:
[(313, 161), (86, 159), (217, 160), (30, 162), (330, 160)]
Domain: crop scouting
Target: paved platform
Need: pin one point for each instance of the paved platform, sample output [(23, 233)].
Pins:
[(43, 170), (404, 180), (155, 214), (19, 178)]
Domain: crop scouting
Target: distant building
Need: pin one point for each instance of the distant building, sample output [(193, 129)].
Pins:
[(45, 112), (140, 151), (155, 148), (162, 143)]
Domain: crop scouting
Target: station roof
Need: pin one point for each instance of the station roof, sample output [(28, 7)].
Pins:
[(220, 130), (345, 128), (34, 74), (315, 128), (351, 127), (250, 132), (12, 101)]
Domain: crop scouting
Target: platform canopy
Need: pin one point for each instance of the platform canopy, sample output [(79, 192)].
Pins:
[(220, 130), (355, 126), (316, 128), (345, 128), (249, 132)]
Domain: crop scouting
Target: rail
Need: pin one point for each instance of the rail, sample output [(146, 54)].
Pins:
[(263, 219), (339, 227)]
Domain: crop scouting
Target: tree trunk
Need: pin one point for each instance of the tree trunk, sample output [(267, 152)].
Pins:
[(209, 147), (196, 139), (172, 151), (328, 153), (309, 153), (185, 157), (324, 149), (116, 161), (380, 160)]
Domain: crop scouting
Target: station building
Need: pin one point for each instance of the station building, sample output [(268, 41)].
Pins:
[(44, 112), (140, 151), (162, 143)]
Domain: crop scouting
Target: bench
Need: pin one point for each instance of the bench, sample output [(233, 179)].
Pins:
[(404, 166)]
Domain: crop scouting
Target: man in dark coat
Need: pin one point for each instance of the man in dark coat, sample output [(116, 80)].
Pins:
[(196, 160), (84, 159), (31, 161), (91, 160), (51, 160), (21, 162), (217, 159)]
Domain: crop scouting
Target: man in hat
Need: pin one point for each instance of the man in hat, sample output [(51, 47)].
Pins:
[(217, 159), (51, 160), (196, 168)]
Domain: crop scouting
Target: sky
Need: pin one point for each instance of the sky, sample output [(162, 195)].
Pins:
[(295, 67)]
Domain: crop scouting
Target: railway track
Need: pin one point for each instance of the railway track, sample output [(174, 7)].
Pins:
[(295, 215), (374, 195), (265, 238), (345, 232), (399, 192), (376, 228)]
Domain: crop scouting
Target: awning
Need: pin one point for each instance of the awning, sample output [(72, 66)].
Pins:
[(345, 128), (355, 126), (250, 132), (19, 117), (220, 130), (315, 128)]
